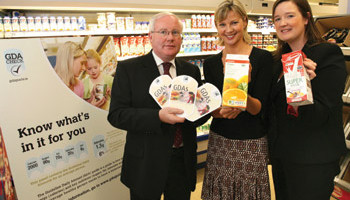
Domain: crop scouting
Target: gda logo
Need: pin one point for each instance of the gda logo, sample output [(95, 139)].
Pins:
[(14, 61)]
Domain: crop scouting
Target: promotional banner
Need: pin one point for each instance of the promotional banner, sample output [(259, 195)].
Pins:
[(59, 145)]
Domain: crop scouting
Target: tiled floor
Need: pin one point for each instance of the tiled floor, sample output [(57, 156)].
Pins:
[(196, 195)]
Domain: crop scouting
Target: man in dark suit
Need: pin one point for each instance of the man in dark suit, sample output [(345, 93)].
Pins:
[(152, 164)]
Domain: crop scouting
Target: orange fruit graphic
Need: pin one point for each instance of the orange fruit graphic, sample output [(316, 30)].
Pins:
[(230, 83), (243, 79), (233, 95)]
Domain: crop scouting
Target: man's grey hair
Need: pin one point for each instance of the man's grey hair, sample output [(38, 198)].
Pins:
[(155, 17)]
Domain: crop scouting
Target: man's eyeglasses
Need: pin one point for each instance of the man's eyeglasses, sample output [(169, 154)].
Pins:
[(165, 33)]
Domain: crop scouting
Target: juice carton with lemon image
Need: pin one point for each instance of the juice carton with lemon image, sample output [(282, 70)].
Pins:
[(235, 88)]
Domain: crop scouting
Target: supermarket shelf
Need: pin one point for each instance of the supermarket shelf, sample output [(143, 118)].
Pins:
[(262, 31), (200, 30), (69, 33), (206, 53), (9, 35), (97, 6)]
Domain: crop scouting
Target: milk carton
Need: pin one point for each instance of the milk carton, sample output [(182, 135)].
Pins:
[(297, 81), (235, 89)]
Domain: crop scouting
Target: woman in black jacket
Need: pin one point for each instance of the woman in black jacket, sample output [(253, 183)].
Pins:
[(306, 141)]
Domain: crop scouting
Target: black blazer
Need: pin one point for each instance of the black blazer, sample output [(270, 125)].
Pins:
[(316, 135), (148, 146)]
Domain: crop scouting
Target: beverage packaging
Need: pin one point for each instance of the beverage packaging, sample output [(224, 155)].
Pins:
[(81, 23), (111, 23), (101, 21), (204, 43), (140, 47), (208, 21), (74, 23), (199, 21), (188, 23), (138, 26), (31, 24), (60, 23), (194, 21), (129, 23), (53, 23), (117, 46), (1, 26), (297, 81), (120, 23), (124, 46), (23, 24), (7, 24), (147, 44), (15, 24), (235, 88), (132, 46), (67, 25), (45, 24), (145, 26)]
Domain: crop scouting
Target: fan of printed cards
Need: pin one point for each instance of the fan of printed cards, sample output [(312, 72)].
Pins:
[(183, 92)]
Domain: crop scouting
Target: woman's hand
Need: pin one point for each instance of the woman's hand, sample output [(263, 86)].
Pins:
[(230, 113), (226, 112), (216, 113), (310, 67)]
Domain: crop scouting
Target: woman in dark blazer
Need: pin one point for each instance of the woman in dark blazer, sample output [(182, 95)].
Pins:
[(306, 141)]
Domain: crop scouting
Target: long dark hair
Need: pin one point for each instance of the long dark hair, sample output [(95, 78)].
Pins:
[(311, 32)]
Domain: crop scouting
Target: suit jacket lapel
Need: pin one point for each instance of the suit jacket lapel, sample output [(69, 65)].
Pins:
[(150, 66), (180, 70)]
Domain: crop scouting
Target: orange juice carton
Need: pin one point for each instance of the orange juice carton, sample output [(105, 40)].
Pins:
[(297, 81), (235, 89)]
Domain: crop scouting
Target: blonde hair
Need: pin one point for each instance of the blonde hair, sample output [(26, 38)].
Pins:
[(221, 14), (64, 61), (92, 54)]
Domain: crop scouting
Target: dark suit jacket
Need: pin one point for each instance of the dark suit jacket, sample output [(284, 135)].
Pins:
[(316, 135), (149, 142)]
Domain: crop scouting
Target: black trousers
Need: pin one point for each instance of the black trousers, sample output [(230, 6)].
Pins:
[(294, 181), (177, 187)]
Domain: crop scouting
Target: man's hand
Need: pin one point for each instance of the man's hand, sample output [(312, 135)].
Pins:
[(169, 115)]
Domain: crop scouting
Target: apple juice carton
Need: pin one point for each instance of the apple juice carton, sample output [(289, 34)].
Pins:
[(235, 88), (297, 81)]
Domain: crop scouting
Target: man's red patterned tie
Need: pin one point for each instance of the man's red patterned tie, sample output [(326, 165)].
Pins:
[(178, 134)]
